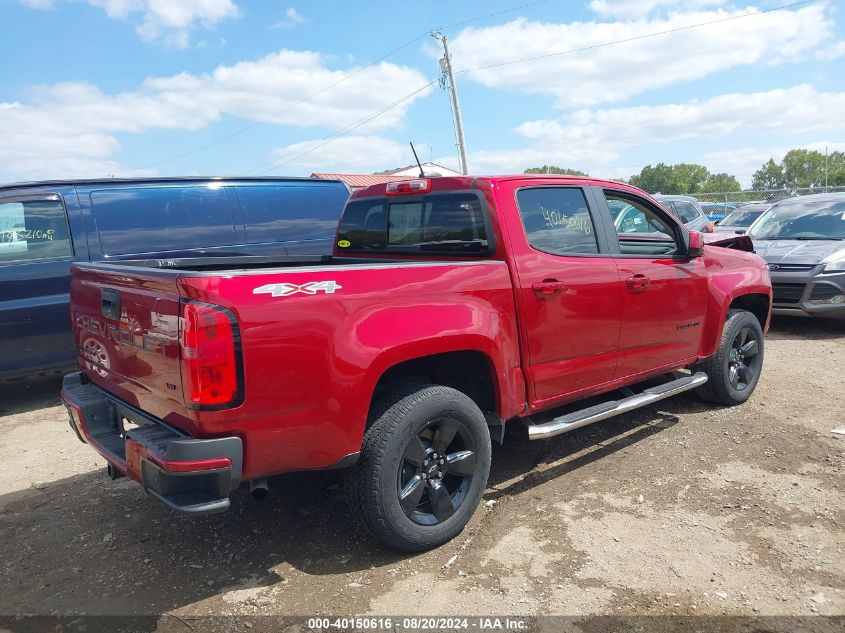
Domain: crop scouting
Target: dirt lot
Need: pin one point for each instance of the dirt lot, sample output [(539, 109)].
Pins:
[(682, 508)]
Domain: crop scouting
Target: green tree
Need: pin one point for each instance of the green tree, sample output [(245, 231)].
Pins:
[(682, 178), (689, 177), (769, 176), (803, 168), (655, 179), (552, 169), (719, 183)]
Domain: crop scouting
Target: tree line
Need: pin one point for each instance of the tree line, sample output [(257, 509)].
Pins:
[(800, 168)]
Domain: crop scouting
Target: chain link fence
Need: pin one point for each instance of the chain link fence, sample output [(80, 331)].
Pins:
[(728, 201)]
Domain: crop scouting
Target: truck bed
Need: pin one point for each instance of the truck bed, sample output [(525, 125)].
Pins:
[(310, 333)]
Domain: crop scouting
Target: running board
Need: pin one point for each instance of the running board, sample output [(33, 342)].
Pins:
[(605, 410)]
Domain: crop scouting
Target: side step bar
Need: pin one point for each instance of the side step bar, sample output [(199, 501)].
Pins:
[(605, 410)]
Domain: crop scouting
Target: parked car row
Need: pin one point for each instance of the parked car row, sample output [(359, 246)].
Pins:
[(46, 226)]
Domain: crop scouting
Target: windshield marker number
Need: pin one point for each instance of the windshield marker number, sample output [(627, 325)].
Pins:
[(288, 289)]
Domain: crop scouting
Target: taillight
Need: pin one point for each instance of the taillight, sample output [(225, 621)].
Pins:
[(211, 357), (421, 185)]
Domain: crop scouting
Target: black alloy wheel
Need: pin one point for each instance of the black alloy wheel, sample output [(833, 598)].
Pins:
[(436, 472), (743, 360), (734, 370)]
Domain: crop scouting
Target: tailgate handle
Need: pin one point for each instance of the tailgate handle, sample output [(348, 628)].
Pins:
[(110, 303)]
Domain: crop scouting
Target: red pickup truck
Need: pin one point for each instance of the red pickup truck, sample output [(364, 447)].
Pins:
[(449, 307)]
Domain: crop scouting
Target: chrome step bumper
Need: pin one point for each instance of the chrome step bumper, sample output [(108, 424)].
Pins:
[(605, 410)]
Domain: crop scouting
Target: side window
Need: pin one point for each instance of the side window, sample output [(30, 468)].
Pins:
[(291, 212), (557, 220), (156, 219), (640, 229), (33, 229), (686, 211)]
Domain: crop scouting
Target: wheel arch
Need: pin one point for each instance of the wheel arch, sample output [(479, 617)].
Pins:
[(470, 371)]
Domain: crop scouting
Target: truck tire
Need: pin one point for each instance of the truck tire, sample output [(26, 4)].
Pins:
[(733, 371), (423, 467)]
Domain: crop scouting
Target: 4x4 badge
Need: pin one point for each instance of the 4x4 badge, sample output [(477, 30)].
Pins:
[(288, 289)]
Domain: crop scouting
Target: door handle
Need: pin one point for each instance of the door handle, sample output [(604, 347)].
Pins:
[(637, 282), (110, 303), (547, 286)]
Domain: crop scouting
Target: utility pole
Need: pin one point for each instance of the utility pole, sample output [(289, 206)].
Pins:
[(825, 169), (446, 69)]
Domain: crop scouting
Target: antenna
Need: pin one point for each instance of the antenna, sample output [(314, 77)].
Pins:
[(422, 173)]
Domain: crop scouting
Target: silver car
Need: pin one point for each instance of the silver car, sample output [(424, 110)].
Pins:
[(739, 220), (688, 210), (803, 242)]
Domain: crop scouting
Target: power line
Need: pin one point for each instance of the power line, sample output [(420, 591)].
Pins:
[(343, 79), (278, 162), (634, 38)]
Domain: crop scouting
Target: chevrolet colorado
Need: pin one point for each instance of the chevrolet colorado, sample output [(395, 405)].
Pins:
[(449, 307)]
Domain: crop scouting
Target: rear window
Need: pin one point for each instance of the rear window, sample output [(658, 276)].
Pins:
[(686, 211), (292, 212), (439, 223), (156, 219)]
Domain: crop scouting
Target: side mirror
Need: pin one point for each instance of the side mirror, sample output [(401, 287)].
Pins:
[(696, 244)]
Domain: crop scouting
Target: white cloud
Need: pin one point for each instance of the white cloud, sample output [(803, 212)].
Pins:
[(167, 21), (360, 154), (292, 18), (834, 51), (594, 140), (70, 129), (618, 72), (637, 8)]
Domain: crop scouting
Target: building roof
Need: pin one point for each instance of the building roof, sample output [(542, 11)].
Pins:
[(356, 181), (416, 167)]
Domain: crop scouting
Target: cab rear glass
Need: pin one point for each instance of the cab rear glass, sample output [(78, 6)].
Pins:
[(452, 223)]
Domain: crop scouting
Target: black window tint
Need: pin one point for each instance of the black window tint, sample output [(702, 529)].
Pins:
[(156, 219), (363, 226), (450, 223), (557, 220), (33, 229), (291, 212)]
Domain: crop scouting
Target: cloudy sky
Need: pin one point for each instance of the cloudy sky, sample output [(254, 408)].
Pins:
[(90, 88)]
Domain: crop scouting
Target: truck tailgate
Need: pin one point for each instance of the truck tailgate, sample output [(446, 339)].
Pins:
[(126, 326)]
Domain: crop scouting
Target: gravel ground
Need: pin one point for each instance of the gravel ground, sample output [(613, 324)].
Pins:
[(682, 508)]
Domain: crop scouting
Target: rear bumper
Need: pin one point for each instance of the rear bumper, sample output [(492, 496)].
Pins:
[(188, 474)]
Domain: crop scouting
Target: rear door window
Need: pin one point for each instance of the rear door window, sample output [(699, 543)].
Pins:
[(439, 223), (557, 220), (156, 219), (33, 229), (291, 212)]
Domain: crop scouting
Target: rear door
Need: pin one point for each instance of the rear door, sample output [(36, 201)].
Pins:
[(568, 288), (35, 255), (665, 292)]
